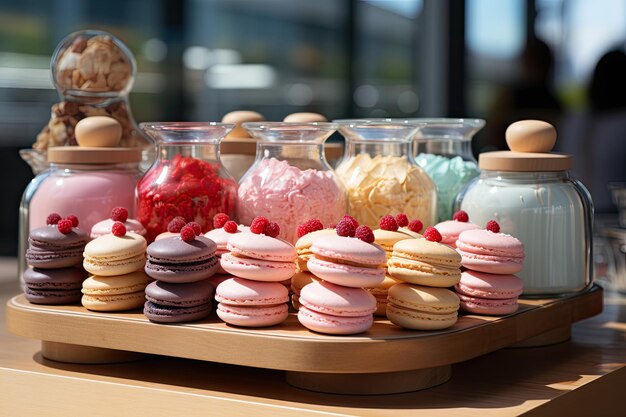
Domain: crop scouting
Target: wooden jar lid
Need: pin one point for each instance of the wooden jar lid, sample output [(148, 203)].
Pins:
[(92, 155), (530, 142)]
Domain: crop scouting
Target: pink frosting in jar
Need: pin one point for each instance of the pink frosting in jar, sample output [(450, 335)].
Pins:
[(289, 196)]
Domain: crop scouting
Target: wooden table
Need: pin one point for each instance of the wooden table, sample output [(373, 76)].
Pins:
[(582, 377)]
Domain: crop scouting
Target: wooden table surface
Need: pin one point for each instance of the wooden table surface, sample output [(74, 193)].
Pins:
[(584, 376)]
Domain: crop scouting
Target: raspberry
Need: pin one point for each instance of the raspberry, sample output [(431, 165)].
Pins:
[(351, 219), (346, 228), (258, 225), (309, 226), (402, 220), (176, 224), (432, 234), (73, 219), (272, 229), (388, 223), (119, 214), (365, 234), (460, 216), (64, 226), (230, 227), (118, 229), (53, 218), (196, 228), (219, 220), (187, 233), (493, 226), (415, 225)]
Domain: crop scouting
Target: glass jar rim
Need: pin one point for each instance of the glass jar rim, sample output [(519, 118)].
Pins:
[(287, 126), (385, 130), (292, 133), (186, 132)]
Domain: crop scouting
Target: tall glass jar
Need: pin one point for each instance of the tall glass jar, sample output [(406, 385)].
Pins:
[(88, 183), (530, 193), (290, 181), (93, 72), (187, 179), (380, 173), (443, 148)]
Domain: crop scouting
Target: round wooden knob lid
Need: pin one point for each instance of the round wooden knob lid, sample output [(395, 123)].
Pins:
[(238, 117), (531, 143), (305, 117)]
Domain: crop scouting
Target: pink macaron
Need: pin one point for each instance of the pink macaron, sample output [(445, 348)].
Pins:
[(335, 309), (486, 251), (250, 303), (347, 261), (259, 258), (451, 229), (491, 294)]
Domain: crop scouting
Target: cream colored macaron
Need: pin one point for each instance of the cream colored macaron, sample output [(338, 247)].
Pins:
[(110, 255), (299, 281), (387, 238), (118, 293), (303, 246), (381, 293), (422, 308)]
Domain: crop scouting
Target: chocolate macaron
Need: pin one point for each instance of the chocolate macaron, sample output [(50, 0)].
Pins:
[(177, 303), (51, 249), (54, 286), (178, 261)]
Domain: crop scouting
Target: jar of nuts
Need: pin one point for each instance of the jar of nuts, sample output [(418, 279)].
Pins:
[(93, 72)]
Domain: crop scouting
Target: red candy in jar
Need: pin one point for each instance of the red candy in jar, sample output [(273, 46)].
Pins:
[(187, 178)]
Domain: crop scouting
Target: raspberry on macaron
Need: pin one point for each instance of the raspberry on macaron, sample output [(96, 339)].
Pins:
[(346, 228), (461, 216), (220, 219), (74, 219), (258, 225), (365, 234), (415, 225), (230, 227), (196, 228), (309, 226), (187, 233), (272, 229), (118, 229), (53, 218), (432, 234), (402, 220), (176, 224), (388, 222), (493, 226), (119, 214), (64, 226)]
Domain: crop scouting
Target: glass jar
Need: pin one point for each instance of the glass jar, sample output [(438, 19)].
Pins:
[(93, 72), (187, 179), (88, 183), (380, 173), (290, 181), (530, 193), (443, 148)]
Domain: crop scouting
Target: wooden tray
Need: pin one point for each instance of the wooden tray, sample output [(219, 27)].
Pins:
[(386, 359)]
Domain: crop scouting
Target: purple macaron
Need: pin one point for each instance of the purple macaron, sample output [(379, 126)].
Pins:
[(51, 249), (174, 260), (54, 286), (177, 303)]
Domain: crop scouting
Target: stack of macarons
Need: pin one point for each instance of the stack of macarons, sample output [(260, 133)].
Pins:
[(118, 214), (116, 261), (259, 262), (223, 229), (181, 266), (451, 229), (426, 268), (54, 255), (489, 285), (307, 232), (346, 263)]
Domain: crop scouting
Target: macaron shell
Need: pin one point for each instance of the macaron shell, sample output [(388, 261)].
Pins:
[(328, 324), (257, 269), (349, 249), (165, 235), (175, 250), (421, 273), (252, 316), (387, 238), (451, 229), (424, 299), (104, 227), (261, 247), (426, 251), (238, 291), (346, 275), (419, 320), (109, 268), (491, 264), (46, 259), (299, 280), (48, 248), (220, 237), (182, 273), (115, 302), (483, 285), (116, 247), (327, 298), (49, 237), (167, 314), (303, 246), (494, 307), (410, 233), (52, 297), (121, 284), (54, 279), (180, 295), (484, 242)]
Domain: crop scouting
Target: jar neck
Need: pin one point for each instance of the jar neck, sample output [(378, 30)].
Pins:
[(522, 177), (448, 148), (379, 148), (203, 151), (304, 156)]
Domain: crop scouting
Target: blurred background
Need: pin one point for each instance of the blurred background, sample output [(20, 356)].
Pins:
[(501, 60)]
